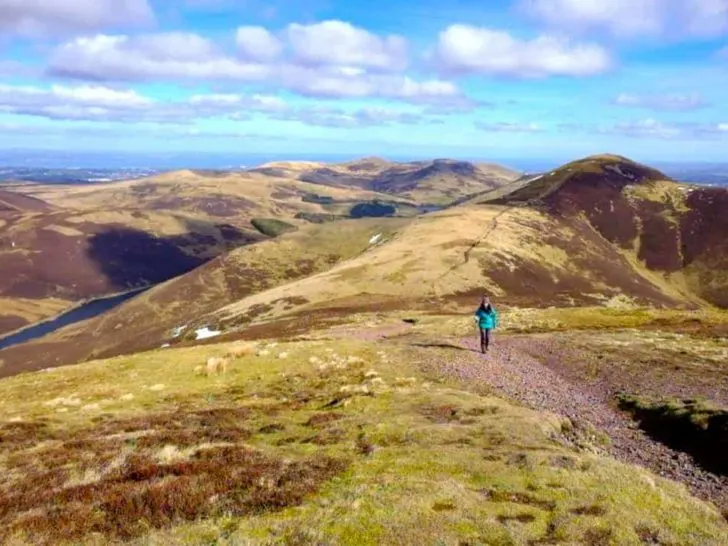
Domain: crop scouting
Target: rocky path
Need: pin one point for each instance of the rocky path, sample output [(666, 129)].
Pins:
[(510, 369)]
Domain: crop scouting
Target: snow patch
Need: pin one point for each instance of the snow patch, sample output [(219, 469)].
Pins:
[(206, 333), (178, 331), (374, 239)]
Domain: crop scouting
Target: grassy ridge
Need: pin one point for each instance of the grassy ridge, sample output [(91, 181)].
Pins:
[(326, 442)]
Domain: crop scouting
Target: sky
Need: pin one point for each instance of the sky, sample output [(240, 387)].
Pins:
[(488, 80)]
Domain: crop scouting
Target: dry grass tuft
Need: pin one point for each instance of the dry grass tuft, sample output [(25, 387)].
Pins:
[(145, 494), (217, 366), (152, 484)]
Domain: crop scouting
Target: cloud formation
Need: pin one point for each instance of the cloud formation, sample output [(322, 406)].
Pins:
[(673, 102), (465, 49), (363, 117), (633, 18), (337, 43), (58, 17), (650, 128), (99, 103), (361, 65), (508, 127)]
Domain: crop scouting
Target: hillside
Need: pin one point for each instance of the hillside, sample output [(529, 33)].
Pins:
[(436, 182), (347, 401), (325, 441), (559, 250), (63, 243), (675, 230), (148, 320)]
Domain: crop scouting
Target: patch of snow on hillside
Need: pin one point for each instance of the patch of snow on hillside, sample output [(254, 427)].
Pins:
[(206, 333), (178, 331), (617, 169)]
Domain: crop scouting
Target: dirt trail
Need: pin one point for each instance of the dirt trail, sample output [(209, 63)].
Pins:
[(490, 230), (515, 374)]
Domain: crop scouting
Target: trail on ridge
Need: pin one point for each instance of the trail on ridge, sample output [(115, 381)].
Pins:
[(511, 370), (492, 227)]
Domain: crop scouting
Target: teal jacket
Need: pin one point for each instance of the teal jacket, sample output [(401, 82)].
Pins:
[(487, 321)]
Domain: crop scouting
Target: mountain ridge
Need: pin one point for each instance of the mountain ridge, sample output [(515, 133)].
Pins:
[(556, 252)]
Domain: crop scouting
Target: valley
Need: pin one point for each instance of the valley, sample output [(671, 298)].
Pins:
[(61, 243), (338, 396)]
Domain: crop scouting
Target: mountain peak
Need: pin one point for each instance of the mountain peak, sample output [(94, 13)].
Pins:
[(601, 173)]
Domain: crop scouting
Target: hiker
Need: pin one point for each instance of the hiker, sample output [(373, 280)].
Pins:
[(487, 319)]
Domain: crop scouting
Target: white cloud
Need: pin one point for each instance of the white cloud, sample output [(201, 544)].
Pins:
[(149, 57), (633, 18), (363, 117), (464, 49), (651, 128), (228, 102), (307, 70), (707, 17), (334, 83), (675, 102), (644, 128), (508, 127), (54, 17), (337, 43), (99, 103), (258, 44)]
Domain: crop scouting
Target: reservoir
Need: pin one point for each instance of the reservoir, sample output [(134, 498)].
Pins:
[(83, 312)]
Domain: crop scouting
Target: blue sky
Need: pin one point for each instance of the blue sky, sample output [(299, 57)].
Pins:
[(553, 79)]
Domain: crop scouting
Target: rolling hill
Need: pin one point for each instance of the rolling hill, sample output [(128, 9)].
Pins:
[(323, 385), (64, 244), (549, 242), (437, 182)]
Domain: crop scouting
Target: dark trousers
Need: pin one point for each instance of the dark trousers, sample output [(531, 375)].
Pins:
[(484, 339)]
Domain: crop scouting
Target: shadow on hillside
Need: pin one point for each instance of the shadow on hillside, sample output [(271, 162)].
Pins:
[(130, 258)]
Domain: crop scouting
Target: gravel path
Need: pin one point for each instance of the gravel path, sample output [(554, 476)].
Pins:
[(512, 371)]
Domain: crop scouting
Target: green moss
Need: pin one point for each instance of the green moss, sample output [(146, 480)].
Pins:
[(694, 426)]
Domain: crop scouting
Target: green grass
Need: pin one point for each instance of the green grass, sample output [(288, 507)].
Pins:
[(695, 426), (319, 442), (272, 227)]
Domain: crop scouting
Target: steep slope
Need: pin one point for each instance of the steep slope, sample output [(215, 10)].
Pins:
[(677, 231), (53, 255), (435, 182), (521, 256), (149, 319)]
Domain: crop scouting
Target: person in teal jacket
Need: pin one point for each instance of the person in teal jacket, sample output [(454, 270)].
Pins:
[(487, 318)]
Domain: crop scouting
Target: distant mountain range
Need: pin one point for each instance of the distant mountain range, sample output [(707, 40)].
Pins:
[(702, 174)]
